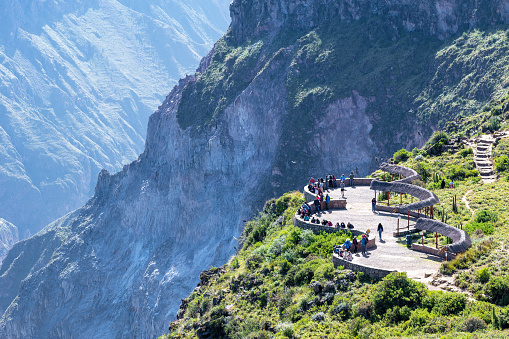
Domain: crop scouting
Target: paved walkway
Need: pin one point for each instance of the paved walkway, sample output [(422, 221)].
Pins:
[(390, 253)]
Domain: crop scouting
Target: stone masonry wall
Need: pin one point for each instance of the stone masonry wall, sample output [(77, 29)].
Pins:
[(372, 272)]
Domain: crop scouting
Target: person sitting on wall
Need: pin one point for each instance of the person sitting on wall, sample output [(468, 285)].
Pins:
[(337, 225), (313, 220), (317, 221), (324, 222), (329, 223), (348, 256), (312, 180), (349, 225), (306, 217), (343, 225)]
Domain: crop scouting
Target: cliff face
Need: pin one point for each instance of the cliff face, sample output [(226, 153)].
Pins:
[(8, 237), (78, 81), (295, 88)]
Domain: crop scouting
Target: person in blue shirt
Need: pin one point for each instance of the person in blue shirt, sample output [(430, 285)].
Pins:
[(327, 201), (347, 244), (342, 178)]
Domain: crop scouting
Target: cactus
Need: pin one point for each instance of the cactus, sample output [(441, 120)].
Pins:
[(444, 216), (454, 204), (494, 319), (435, 177)]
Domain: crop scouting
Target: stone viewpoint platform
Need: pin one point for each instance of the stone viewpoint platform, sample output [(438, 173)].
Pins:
[(386, 255), (389, 253)]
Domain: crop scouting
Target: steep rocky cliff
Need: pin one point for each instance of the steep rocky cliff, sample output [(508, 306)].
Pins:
[(8, 237), (295, 88), (78, 81)]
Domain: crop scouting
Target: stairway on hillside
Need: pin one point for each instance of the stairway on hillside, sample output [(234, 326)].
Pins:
[(483, 149)]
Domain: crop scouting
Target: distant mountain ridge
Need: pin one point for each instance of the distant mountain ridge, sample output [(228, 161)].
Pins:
[(294, 89), (78, 81)]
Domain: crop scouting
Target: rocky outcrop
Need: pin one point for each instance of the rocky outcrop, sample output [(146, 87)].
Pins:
[(437, 17), (8, 237)]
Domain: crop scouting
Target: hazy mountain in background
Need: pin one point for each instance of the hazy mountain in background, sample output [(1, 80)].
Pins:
[(78, 81)]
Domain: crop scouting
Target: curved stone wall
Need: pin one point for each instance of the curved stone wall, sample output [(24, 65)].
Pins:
[(461, 239)]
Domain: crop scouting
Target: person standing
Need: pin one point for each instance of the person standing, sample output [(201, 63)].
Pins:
[(352, 175), (317, 205), (327, 201), (380, 229), (442, 184), (451, 184), (373, 204), (342, 185), (354, 244), (364, 242), (342, 178)]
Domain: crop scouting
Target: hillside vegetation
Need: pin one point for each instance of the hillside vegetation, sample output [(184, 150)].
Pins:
[(269, 289)]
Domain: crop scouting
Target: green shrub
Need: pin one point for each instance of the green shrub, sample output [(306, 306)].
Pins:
[(503, 318), (286, 329), (436, 142), (444, 303), (302, 274), (343, 310), (324, 272), (465, 152), (486, 216), (419, 318), (471, 227), (473, 324), (497, 289), (483, 275), (397, 314), (396, 290), (502, 163), (401, 155)]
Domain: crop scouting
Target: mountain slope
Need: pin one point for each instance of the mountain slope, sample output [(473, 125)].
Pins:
[(77, 84), (8, 237), (295, 88)]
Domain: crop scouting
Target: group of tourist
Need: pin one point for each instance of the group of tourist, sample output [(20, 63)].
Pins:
[(322, 184), (345, 251)]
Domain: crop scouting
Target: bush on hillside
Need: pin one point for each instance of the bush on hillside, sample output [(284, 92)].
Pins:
[(486, 228), (486, 216), (502, 163), (465, 152), (473, 324), (444, 303), (401, 155), (396, 290), (497, 289), (435, 144)]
